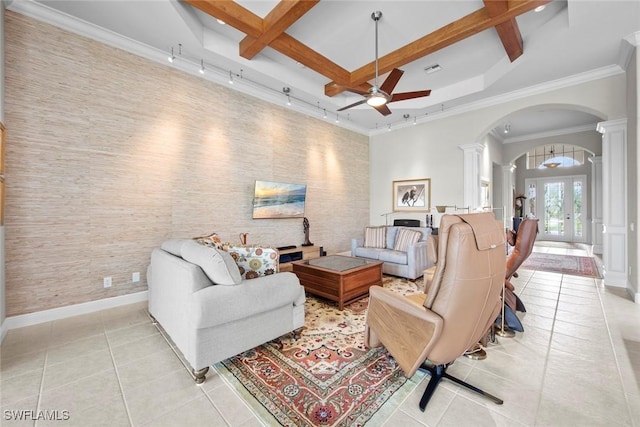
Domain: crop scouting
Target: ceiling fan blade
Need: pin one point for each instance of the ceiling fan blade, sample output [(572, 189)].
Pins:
[(383, 109), (362, 101), (392, 80), (409, 95)]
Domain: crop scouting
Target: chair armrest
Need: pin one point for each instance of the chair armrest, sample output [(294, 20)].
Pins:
[(407, 329)]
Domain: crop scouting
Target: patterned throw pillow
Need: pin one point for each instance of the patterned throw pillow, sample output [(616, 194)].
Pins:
[(254, 261), (212, 240), (375, 237), (405, 238)]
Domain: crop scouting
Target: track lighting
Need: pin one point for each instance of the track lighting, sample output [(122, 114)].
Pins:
[(202, 66), (325, 113), (172, 57), (337, 118), (230, 78), (288, 100), (507, 128), (415, 120)]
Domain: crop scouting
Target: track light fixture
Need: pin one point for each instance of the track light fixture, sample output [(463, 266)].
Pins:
[(507, 128), (230, 78), (201, 66), (337, 118), (172, 57)]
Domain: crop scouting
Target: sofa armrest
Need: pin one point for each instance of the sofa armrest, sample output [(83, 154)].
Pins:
[(216, 305), (417, 258), (356, 243)]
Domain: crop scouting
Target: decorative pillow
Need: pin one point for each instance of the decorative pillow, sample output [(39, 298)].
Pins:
[(405, 238), (212, 240), (218, 265), (254, 261), (375, 237)]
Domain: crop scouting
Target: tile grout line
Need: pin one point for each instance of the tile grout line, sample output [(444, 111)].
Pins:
[(115, 368), (44, 370), (615, 355), (546, 357)]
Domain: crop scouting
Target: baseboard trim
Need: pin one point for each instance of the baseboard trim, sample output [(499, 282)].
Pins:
[(72, 310)]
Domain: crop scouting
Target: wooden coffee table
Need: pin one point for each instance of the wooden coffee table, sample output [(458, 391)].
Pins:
[(339, 278)]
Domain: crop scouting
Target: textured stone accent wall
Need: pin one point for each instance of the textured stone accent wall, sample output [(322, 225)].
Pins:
[(109, 154)]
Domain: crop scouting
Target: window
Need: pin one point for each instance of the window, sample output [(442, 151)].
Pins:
[(555, 156)]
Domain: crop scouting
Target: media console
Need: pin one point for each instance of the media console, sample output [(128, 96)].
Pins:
[(297, 253)]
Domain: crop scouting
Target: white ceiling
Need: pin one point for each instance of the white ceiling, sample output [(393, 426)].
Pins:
[(578, 39)]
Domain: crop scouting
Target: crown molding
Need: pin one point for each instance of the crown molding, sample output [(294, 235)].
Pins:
[(67, 22), (551, 133), (629, 43), (576, 79), (83, 28)]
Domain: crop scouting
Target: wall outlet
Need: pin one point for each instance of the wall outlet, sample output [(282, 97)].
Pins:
[(106, 282), (135, 277)]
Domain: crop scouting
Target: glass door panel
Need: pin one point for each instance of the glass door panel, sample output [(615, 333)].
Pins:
[(554, 224)]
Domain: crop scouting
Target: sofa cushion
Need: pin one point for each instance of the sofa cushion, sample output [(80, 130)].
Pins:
[(217, 264), (395, 257), (375, 237), (254, 261), (173, 246), (367, 252), (405, 238), (392, 232)]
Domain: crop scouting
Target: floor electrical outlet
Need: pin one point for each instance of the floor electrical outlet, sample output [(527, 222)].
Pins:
[(106, 282)]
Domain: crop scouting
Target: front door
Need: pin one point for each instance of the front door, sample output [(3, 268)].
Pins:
[(560, 207)]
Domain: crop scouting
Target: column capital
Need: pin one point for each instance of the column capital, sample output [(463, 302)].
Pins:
[(611, 125), (475, 146)]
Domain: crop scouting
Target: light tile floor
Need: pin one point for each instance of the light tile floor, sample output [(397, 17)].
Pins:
[(576, 364)]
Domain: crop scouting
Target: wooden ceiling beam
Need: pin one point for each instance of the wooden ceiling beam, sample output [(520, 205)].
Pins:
[(454, 32), (252, 25), (508, 31), (232, 14), (281, 17), (308, 57)]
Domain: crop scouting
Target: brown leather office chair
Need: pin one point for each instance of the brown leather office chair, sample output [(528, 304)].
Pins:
[(430, 331)]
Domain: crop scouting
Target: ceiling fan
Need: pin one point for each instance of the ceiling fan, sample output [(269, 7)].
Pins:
[(379, 96)]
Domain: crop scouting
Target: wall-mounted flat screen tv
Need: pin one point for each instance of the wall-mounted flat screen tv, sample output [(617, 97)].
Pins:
[(278, 200)]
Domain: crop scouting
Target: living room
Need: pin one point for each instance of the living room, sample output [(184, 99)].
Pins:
[(110, 153)]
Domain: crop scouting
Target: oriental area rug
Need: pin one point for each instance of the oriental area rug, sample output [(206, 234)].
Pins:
[(565, 264), (326, 377)]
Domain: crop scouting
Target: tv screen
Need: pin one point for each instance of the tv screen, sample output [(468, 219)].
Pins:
[(278, 200)]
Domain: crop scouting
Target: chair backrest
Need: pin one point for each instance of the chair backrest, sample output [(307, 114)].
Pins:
[(525, 238), (468, 281)]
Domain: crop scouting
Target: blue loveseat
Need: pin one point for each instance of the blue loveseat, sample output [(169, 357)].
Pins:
[(409, 262)]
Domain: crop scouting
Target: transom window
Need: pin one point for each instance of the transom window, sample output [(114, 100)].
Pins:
[(555, 156)]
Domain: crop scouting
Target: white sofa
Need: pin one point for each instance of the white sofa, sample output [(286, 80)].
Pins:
[(409, 263), (210, 322)]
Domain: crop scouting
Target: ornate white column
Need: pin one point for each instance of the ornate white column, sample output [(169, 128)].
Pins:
[(507, 191), (614, 200), (471, 174), (596, 204)]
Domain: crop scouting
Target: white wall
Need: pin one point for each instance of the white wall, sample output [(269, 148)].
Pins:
[(431, 149)]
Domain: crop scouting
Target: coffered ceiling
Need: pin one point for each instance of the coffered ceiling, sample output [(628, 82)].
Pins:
[(307, 53)]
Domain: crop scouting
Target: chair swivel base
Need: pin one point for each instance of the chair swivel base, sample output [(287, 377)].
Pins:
[(438, 372)]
